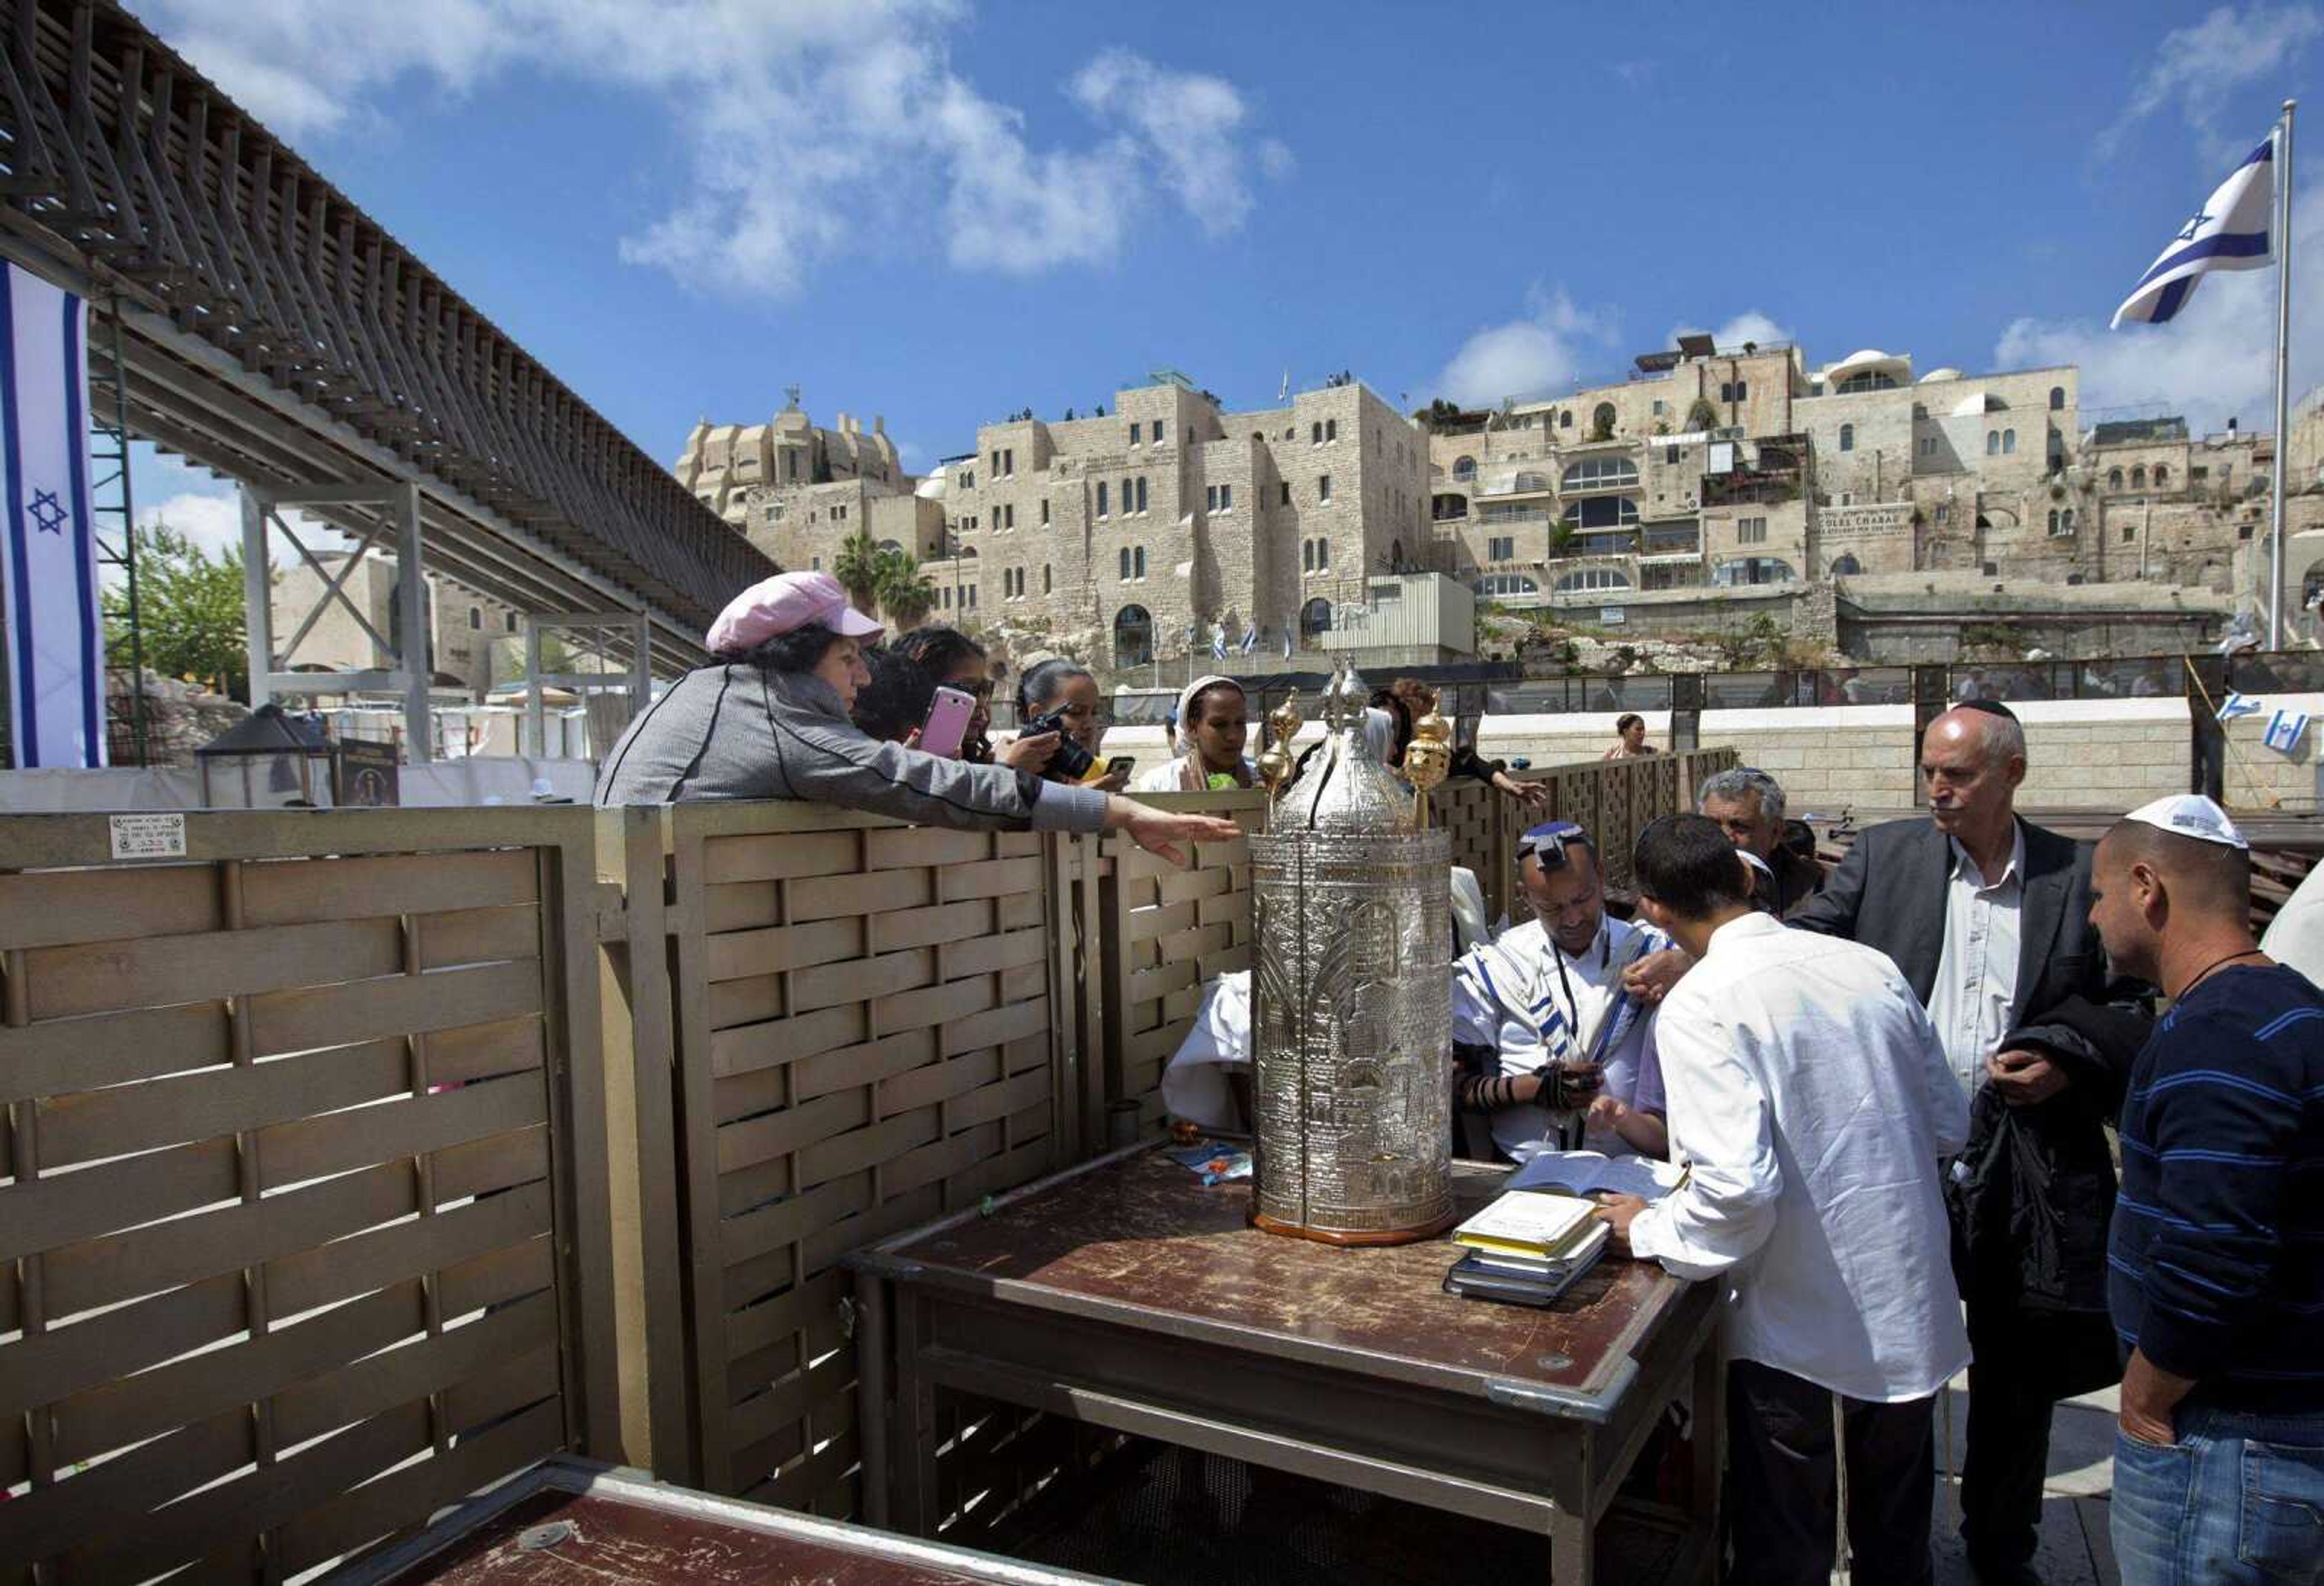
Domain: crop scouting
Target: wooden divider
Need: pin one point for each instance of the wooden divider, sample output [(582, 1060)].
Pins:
[(874, 1025), (303, 1213)]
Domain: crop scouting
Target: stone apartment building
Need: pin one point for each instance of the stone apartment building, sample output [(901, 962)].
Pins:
[(1732, 469), (1124, 536), (463, 626)]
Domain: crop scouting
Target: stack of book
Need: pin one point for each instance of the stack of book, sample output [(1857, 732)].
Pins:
[(1525, 1248)]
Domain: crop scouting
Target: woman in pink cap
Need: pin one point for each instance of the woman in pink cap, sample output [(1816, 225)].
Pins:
[(769, 719)]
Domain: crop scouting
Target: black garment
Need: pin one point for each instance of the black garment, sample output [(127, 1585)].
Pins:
[(1889, 893), (1782, 1487)]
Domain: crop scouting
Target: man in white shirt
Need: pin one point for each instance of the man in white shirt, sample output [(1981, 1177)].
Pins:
[(1546, 1001), (1811, 1104)]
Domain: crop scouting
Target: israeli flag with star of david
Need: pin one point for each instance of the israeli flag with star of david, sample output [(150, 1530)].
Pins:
[(2230, 232), (48, 546)]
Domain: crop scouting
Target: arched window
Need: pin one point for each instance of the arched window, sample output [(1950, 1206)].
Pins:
[(1590, 578), (1125, 563), (2053, 520), (2311, 584), (1525, 483), (2008, 442), (1496, 584), (1133, 637), (2066, 522), (1323, 556), (1847, 437), (2056, 399), (1601, 474), (1464, 469), (1137, 562), (1601, 418), (1565, 419), (1993, 443), (2138, 477), (1396, 555), (1306, 555), (1845, 565), (1046, 586), (2162, 476), (1314, 617), (2114, 479), (1442, 507)]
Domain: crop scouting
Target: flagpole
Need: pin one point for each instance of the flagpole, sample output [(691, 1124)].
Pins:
[(2282, 358)]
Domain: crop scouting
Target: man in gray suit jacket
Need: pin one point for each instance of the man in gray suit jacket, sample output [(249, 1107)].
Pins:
[(1987, 917)]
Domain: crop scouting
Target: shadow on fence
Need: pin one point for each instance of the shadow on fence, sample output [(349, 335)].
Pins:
[(357, 1159)]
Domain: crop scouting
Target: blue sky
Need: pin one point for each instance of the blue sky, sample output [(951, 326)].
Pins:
[(941, 212)]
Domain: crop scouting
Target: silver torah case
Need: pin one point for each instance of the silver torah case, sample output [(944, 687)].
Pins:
[(1352, 1033)]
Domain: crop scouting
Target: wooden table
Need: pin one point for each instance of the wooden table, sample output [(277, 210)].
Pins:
[(569, 1520), (1126, 1294)]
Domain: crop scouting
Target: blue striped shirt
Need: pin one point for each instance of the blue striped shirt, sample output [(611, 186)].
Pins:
[(2216, 1256)]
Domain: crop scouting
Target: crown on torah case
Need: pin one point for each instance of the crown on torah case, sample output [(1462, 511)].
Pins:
[(1352, 1028)]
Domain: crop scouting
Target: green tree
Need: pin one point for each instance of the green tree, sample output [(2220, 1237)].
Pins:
[(857, 569), (906, 594), (189, 612)]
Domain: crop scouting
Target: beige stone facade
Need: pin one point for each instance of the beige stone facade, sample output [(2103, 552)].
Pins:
[(724, 464), (464, 626)]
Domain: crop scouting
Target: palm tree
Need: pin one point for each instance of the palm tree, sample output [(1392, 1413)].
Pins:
[(906, 594), (857, 569)]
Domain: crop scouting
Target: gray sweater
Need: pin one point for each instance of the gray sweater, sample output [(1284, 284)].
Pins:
[(733, 731)]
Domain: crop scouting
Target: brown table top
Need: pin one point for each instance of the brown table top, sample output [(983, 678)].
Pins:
[(1141, 1241)]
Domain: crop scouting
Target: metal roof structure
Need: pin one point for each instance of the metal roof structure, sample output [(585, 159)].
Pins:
[(273, 332)]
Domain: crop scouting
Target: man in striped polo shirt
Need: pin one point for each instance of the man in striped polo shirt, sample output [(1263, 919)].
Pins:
[(2217, 1284)]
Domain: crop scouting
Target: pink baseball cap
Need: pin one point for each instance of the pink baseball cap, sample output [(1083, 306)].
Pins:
[(782, 603)]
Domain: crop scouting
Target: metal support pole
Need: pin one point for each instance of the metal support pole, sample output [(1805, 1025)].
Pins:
[(536, 726), (137, 730), (411, 631), (640, 668), (2282, 383), (257, 597)]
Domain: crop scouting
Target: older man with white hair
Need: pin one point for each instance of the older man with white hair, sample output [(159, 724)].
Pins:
[(1749, 805)]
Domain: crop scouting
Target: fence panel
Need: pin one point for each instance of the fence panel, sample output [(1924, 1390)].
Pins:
[(874, 1027), (304, 1201)]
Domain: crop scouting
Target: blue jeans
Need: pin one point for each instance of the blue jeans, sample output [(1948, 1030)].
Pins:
[(2238, 1501)]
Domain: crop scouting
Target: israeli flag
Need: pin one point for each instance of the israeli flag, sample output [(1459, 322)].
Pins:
[(1286, 641), (2238, 705), (2230, 232), (2285, 731), (48, 546), (1249, 637), (1217, 644)]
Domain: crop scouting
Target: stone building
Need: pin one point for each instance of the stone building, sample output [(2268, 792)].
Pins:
[(724, 463), (1736, 468), (463, 626)]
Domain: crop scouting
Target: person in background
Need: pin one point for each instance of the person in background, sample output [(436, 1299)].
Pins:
[(1987, 917), (1749, 805), (954, 661), (1629, 738), (1539, 1017), (1407, 699), (2216, 1264), (768, 719), (1811, 1102), (892, 704), (1060, 688), (1211, 718)]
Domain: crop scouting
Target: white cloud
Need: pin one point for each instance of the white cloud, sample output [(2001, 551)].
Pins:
[(2200, 67), (2214, 361), (1751, 325), (1542, 351), (213, 522), (815, 127)]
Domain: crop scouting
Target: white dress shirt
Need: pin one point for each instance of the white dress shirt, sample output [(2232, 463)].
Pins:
[(1509, 995), (1977, 972), (1810, 1101)]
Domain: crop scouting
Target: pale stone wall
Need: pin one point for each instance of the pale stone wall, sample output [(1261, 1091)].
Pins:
[(2257, 777)]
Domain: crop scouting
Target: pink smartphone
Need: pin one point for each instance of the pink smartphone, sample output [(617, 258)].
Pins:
[(948, 723)]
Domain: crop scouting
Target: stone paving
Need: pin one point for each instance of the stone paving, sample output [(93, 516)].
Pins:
[(2075, 1550)]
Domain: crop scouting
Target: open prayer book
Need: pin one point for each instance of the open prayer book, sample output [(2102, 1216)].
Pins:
[(1592, 1172)]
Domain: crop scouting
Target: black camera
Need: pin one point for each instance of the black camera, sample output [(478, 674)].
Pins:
[(1070, 762)]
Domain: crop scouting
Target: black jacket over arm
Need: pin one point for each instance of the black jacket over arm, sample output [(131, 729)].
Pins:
[(2034, 1191)]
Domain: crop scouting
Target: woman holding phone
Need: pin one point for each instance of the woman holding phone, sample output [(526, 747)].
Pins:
[(952, 659), (1062, 692)]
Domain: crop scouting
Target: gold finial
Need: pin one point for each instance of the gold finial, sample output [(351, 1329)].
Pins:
[(1428, 759), (1274, 766)]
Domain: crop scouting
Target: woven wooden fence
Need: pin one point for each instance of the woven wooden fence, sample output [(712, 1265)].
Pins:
[(874, 1024), (304, 1198)]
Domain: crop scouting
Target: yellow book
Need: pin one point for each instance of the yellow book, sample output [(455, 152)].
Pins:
[(1527, 1223)]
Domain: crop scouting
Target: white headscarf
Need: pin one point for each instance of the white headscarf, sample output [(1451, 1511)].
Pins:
[(1379, 735), (1186, 703)]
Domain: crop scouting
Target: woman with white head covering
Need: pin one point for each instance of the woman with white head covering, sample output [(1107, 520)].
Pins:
[(1212, 723)]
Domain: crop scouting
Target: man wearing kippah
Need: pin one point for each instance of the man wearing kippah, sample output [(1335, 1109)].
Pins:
[(2217, 1265), (1539, 1017)]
